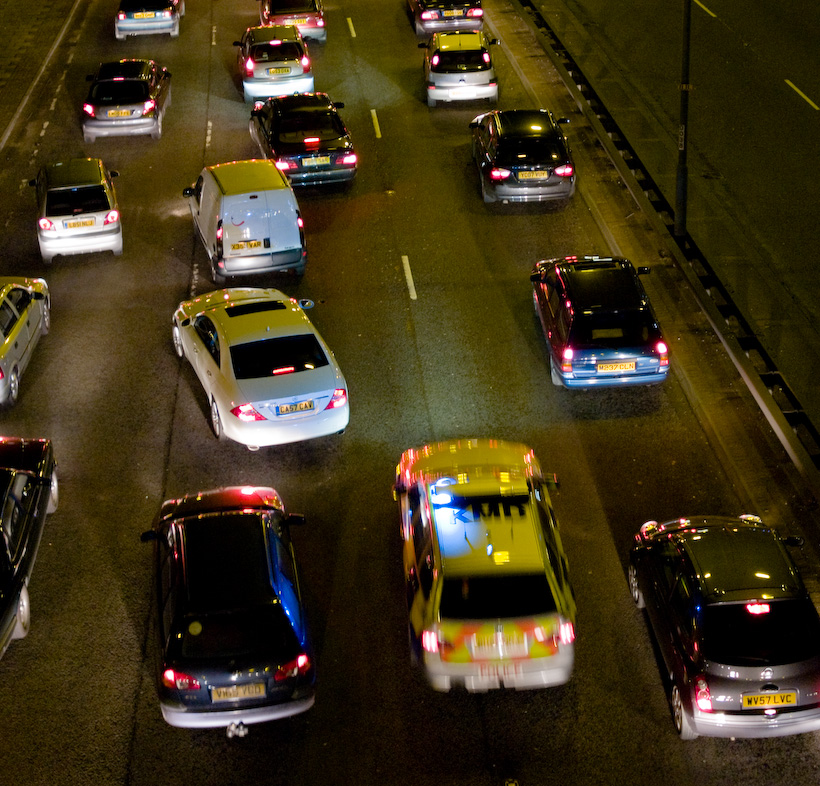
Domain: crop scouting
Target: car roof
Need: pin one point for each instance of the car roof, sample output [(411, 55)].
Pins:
[(462, 39), (602, 284), (243, 177), (74, 172), (736, 559), (252, 314), (263, 33), (527, 122), (125, 69)]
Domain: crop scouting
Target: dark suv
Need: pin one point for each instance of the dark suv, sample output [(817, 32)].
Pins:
[(737, 631), (598, 323)]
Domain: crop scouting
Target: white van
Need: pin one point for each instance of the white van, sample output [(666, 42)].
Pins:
[(248, 219)]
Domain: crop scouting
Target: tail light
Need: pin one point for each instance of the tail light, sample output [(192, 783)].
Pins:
[(249, 66), (89, 110), (485, 56), (46, 224), (246, 413), (111, 217), (496, 173), (428, 15), (566, 633), (149, 106), (166, 13), (283, 165), (663, 353), (320, 22), (350, 159), (2, 375), (429, 641), (179, 680), (434, 60), (703, 697), (566, 360), (121, 15), (565, 170), (219, 233), (305, 61), (338, 399), (297, 667), (299, 222), (475, 13)]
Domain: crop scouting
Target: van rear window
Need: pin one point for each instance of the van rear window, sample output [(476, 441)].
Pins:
[(496, 597)]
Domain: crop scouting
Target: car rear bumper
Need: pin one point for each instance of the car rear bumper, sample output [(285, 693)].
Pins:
[(320, 176), (268, 88), (625, 380), (265, 433), (430, 26), (462, 92), (718, 724), (149, 27), (188, 719), (137, 127), (81, 244), (560, 189), (272, 262)]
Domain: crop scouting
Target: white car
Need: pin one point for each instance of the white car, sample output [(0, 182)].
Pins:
[(268, 375)]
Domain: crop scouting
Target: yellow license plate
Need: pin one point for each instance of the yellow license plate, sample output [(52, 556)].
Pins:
[(251, 690), (625, 366), (144, 15), (533, 175), (86, 222), (756, 701), (301, 21), (299, 406), (280, 70), (316, 161), (246, 244), (451, 12), (118, 112)]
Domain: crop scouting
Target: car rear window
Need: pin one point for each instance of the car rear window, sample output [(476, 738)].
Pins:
[(464, 60), (788, 632), (296, 127), (291, 6), (274, 356), (285, 50), (613, 331), (531, 151), (496, 597), (127, 91), (71, 201), (144, 5)]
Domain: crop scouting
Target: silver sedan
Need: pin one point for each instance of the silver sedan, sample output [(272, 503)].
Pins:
[(268, 375)]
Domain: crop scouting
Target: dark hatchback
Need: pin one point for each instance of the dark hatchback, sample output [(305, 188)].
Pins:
[(737, 632), (598, 323), (522, 155), (233, 639), (28, 490), (306, 138)]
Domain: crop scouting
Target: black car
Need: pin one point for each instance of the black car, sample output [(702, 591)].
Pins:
[(737, 632), (433, 16), (233, 641), (28, 490), (598, 323), (306, 138), (522, 155)]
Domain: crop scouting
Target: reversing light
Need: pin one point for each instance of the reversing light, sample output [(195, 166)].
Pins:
[(338, 399), (758, 608), (179, 680), (703, 697), (111, 217), (428, 15), (565, 170), (320, 22), (246, 413)]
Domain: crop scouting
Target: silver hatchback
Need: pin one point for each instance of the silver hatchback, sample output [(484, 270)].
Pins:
[(458, 67)]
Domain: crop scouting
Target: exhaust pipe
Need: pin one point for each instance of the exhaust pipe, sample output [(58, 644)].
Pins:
[(237, 730)]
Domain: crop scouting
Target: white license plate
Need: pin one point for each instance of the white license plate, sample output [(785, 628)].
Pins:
[(500, 670), (299, 406), (119, 112), (462, 92), (250, 690)]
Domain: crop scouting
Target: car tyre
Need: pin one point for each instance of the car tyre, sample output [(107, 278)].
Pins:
[(634, 589), (419, 28), (431, 102), (175, 30), (22, 622), (182, 8), (485, 194), (681, 720), (47, 260), (555, 376), (88, 138), (216, 421), (46, 322), (157, 132), (53, 494), (219, 279), (177, 339)]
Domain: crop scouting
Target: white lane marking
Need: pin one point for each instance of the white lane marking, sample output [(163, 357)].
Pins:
[(350, 25), (43, 129), (213, 35), (408, 274), (713, 15), (208, 134), (376, 124), (802, 94)]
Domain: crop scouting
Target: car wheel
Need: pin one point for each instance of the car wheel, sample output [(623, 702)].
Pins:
[(485, 194), (419, 29), (175, 30), (157, 132), (23, 620), (182, 8), (88, 138), (431, 102), (46, 323), (46, 260), (216, 420), (634, 589), (219, 279), (14, 387), (682, 723), (177, 339), (53, 494), (555, 376)]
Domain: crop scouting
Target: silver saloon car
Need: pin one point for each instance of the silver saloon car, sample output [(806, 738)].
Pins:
[(268, 375), (25, 316)]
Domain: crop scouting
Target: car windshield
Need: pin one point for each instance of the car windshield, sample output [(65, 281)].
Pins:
[(530, 151), (71, 201), (496, 597), (761, 634), (274, 356), (126, 91), (294, 128), (463, 60), (144, 5), (612, 330), (284, 50)]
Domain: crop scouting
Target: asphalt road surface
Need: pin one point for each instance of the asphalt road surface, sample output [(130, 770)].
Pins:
[(463, 358)]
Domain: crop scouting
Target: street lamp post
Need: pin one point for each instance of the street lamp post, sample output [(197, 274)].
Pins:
[(682, 179)]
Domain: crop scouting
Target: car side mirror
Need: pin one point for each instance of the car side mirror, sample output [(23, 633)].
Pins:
[(643, 270), (237, 43), (188, 192), (794, 540), (339, 104), (494, 41), (89, 77), (473, 124), (423, 46), (148, 536), (295, 519), (113, 173), (306, 303), (537, 276), (32, 182), (564, 120)]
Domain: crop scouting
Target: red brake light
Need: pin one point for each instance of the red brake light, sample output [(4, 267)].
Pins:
[(320, 22), (485, 56), (298, 666), (88, 109), (663, 353), (166, 13), (350, 159), (111, 217), (283, 165), (428, 15), (284, 370), (246, 413), (305, 64), (299, 222), (121, 15), (311, 140), (758, 608), (45, 224), (149, 106), (496, 173), (338, 399), (475, 12), (179, 680), (702, 695), (566, 361), (249, 66), (565, 170), (429, 640), (434, 60), (566, 633)]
